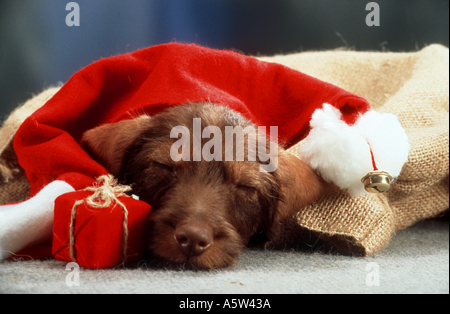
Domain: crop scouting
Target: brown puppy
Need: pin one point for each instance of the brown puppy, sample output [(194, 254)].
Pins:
[(203, 212)]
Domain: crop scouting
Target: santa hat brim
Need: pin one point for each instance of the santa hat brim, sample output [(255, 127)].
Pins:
[(29, 222)]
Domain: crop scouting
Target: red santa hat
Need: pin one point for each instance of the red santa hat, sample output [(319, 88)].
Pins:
[(343, 138)]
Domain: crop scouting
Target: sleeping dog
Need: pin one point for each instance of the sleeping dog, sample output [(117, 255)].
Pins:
[(207, 200)]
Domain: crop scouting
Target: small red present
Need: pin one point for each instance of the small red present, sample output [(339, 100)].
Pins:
[(101, 229)]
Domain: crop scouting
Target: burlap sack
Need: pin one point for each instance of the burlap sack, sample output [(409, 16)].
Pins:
[(414, 86)]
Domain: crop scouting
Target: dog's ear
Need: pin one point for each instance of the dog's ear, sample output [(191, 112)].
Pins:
[(299, 186), (107, 143)]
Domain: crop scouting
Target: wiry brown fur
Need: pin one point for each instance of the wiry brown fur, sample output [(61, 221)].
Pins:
[(226, 202)]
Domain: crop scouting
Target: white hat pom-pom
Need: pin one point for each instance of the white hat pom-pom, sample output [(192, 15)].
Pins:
[(387, 138), (344, 154)]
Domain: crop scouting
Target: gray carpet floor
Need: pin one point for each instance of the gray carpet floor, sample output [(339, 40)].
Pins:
[(415, 261)]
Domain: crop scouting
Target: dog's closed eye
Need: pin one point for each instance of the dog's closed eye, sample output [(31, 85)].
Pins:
[(168, 168), (246, 188)]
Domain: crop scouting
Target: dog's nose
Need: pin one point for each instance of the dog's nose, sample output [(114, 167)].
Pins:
[(193, 239)]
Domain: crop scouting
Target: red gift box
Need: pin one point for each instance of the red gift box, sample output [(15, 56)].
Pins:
[(99, 232)]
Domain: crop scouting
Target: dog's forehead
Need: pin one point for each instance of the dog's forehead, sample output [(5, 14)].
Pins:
[(241, 170)]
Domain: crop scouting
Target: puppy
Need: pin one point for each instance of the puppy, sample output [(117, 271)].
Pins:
[(204, 212)]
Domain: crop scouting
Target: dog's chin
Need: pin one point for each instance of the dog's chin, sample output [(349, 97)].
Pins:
[(163, 249)]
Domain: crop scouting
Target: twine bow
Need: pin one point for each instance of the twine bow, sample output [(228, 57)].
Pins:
[(103, 196)]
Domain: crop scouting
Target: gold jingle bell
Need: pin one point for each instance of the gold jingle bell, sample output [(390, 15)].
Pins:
[(377, 181)]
